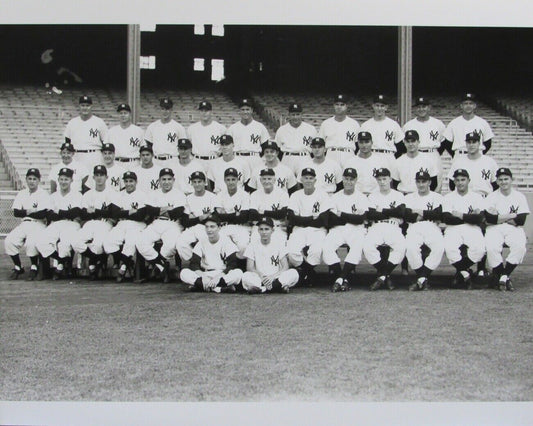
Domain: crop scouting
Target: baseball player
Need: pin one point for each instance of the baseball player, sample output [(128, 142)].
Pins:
[(272, 202), (96, 212), (86, 132), (227, 160), (340, 131), (186, 166), (163, 135), (506, 210), (462, 211), (430, 130), (248, 134), (147, 173), (468, 122), (285, 178), (307, 213), (294, 138), (267, 265), (31, 205), (64, 218), (386, 213), (80, 171), (127, 138), (205, 135), (328, 172), (423, 213), (166, 207), (130, 214), (387, 134), (231, 206), (366, 163), (213, 263), (114, 171), (346, 222)]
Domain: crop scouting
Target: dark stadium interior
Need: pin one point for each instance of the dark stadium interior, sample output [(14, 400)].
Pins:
[(360, 59)]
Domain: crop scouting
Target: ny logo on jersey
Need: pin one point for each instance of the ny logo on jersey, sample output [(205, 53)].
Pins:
[(93, 133), (513, 209), (237, 208), (154, 184), (316, 207), (69, 206), (115, 181), (34, 205), (282, 182), (307, 140), (350, 136), (392, 204), (206, 210), (215, 140), (134, 205), (429, 205), (274, 260), (223, 257), (255, 138), (389, 135), (422, 170), (328, 177), (275, 206), (104, 205), (354, 209), (239, 176), (171, 137), (433, 135), (135, 142), (479, 132), (374, 171), (485, 174), (470, 209)]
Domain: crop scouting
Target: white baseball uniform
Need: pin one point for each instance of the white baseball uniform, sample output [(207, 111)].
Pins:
[(87, 135), (294, 142), (366, 167), (183, 174), (80, 172), (239, 202), (340, 137), (274, 201), (147, 178), (206, 139), (482, 172), (114, 178), (328, 173), (164, 138), (127, 142), (385, 133), (459, 127), (284, 178), (406, 168), (431, 134), (248, 139), (219, 166)]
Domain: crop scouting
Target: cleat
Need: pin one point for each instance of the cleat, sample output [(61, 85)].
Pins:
[(414, 286), (166, 274), (16, 273), (502, 286), (425, 285), (337, 285), (388, 283), (121, 273), (58, 274), (227, 289), (468, 283), (33, 274), (254, 290), (376, 285), (285, 289), (345, 286), (481, 273), (509, 285), (93, 273)]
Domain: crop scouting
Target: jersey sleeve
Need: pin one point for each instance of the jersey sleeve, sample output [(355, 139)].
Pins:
[(102, 130), (148, 135), (68, 130), (325, 203), (398, 133), (198, 249), (17, 202), (493, 169), (448, 132), (229, 248), (249, 252), (487, 132), (293, 203), (523, 206), (291, 179), (338, 173), (264, 133)]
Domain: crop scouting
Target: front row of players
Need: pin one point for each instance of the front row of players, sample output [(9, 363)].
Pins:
[(216, 234)]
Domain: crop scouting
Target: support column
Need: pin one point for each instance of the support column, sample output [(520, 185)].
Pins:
[(405, 76), (134, 71)]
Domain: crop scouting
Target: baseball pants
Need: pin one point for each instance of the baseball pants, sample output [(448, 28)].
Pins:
[(302, 237), (351, 235), (340, 156), (251, 280), (384, 234), (498, 235), (239, 234), (184, 243), (470, 235), (27, 232), (294, 162), (165, 230), (253, 159), (427, 233), (125, 233), (233, 277), (89, 159), (57, 236), (91, 236), (170, 163)]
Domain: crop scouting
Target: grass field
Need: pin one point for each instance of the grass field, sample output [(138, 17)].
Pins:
[(103, 341)]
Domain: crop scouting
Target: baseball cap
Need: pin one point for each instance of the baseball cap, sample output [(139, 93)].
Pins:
[(129, 175), (226, 139), (68, 146), (213, 217), (380, 99), (383, 171), (267, 172), (295, 107), (421, 101), (350, 172), (469, 97), (65, 171), (472, 136), (246, 102), (205, 105), (412, 135), (308, 171), (231, 172), (422, 175), (123, 107), (461, 172), (85, 100), (318, 141), (269, 145), (184, 143), (364, 136), (33, 172), (198, 175), (340, 97), (166, 103), (100, 170), (108, 147), (146, 148), (504, 171), (166, 171), (266, 221)]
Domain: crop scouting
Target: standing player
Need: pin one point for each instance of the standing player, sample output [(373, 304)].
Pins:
[(205, 135), (387, 134), (468, 122), (80, 171), (506, 210), (163, 135), (328, 172), (267, 266), (32, 205), (86, 132), (307, 213), (386, 211), (127, 138), (213, 266), (340, 132), (423, 213), (347, 226), (147, 174), (294, 138), (462, 211), (227, 160), (186, 166)]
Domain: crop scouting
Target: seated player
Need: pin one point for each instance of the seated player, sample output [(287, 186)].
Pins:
[(506, 210), (386, 215), (346, 222), (267, 266), (31, 205), (423, 213), (213, 265)]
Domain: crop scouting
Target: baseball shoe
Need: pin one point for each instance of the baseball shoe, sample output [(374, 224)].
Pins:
[(197, 286), (33, 274), (337, 285), (121, 273), (405, 272), (254, 290), (15, 273), (165, 273), (228, 289), (457, 279), (345, 286), (509, 285), (309, 278), (285, 289), (414, 286), (425, 285), (481, 273), (376, 285), (58, 274), (93, 272), (502, 285), (388, 283), (468, 281)]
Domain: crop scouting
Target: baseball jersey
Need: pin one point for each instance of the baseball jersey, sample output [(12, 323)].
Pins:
[(114, 178), (232, 203), (173, 198), (183, 174), (339, 134), (199, 205), (309, 205), (466, 203), (213, 255), (38, 200), (295, 139), (515, 202), (127, 141), (267, 257), (406, 168), (459, 127), (218, 166), (86, 134), (70, 200), (284, 178), (205, 139), (430, 201), (380, 201), (79, 169), (328, 174), (147, 178), (356, 203), (366, 167), (248, 137), (164, 136), (277, 199), (129, 200), (482, 172), (431, 131), (385, 133), (99, 199)]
